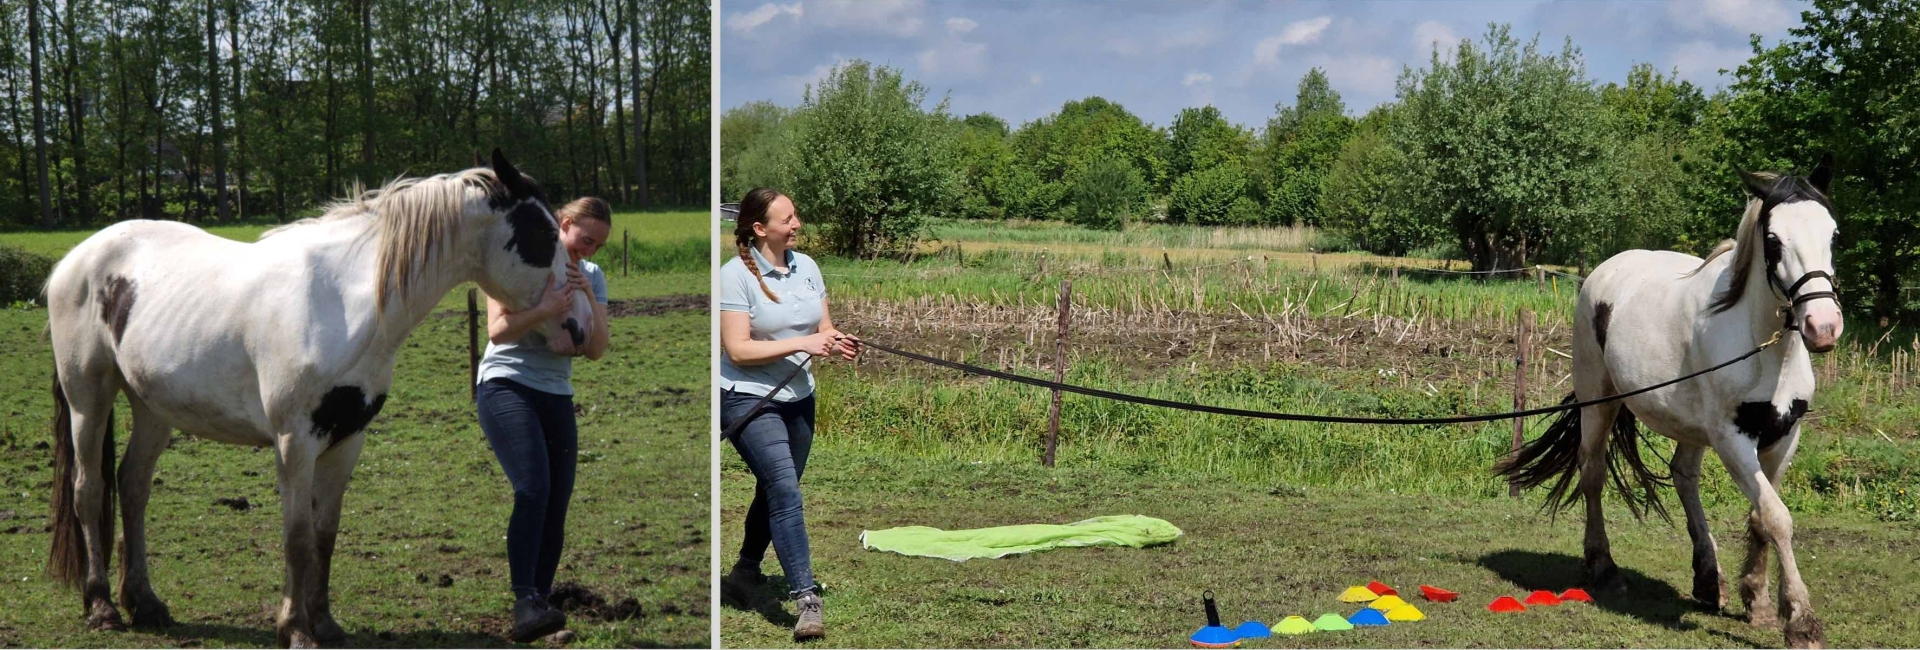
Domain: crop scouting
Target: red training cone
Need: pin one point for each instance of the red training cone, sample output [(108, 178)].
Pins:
[(1381, 588), (1542, 597), (1437, 594), (1505, 604), (1576, 594)]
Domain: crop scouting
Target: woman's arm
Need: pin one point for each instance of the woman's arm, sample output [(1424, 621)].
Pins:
[(597, 342), (736, 339), (849, 345), (505, 327)]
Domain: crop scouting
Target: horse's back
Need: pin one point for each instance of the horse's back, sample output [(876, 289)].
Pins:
[(1634, 327)]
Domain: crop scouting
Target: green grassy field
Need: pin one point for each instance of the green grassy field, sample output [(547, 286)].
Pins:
[(428, 506), (1280, 516)]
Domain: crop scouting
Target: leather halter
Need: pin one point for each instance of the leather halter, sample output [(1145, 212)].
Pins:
[(1799, 299)]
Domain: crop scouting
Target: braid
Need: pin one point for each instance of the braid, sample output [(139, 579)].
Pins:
[(746, 257)]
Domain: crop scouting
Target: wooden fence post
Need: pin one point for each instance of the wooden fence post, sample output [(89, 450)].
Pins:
[(1166, 261), (473, 342), (1059, 368), (1521, 339)]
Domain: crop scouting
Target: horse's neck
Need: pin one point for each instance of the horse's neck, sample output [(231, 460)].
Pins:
[(353, 258), (1759, 309)]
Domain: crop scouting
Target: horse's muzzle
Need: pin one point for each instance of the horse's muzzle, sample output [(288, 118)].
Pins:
[(1820, 326)]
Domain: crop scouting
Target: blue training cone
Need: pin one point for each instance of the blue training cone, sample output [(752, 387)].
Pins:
[(1214, 635), (1369, 617), (1253, 630)]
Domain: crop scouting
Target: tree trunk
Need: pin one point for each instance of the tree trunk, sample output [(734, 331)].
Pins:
[(613, 28), (39, 118), (239, 112), (366, 92), (18, 133), (224, 213), (641, 123), (77, 123)]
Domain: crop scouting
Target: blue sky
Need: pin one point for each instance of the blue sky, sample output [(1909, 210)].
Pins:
[(1022, 60)]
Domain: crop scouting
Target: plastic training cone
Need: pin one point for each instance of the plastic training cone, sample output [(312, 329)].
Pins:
[(1576, 594), (1405, 613), (1331, 622), (1357, 595), (1214, 635), (1542, 597), (1386, 603), (1368, 617), (1506, 604), (1437, 594), (1253, 630), (1381, 588), (1294, 625)]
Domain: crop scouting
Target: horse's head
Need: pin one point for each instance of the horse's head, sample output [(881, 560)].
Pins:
[(523, 258), (1797, 226)]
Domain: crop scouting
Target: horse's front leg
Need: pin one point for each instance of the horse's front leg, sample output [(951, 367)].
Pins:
[(331, 474), (298, 453), (1757, 474)]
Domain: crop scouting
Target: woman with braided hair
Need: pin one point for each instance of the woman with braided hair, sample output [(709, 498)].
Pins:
[(773, 318)]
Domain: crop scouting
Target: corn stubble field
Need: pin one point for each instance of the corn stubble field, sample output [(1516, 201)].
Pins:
[(422, 557), (1279, 516)]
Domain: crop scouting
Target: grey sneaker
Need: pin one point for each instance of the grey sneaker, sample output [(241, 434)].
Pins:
[(740, 584), (810, 626)]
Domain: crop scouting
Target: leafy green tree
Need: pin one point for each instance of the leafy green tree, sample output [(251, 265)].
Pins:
[(995, 184), (1057, 148), (869, 162), (1363, 193), (1108, 195), (1844, 82), (1213, 196), (1299, 145), (750, 143), (1201, 138), (1506, 144)]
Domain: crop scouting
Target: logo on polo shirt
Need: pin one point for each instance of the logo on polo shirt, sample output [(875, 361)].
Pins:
[(810, 285)]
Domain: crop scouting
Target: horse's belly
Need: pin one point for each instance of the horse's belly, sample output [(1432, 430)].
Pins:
[(201, 396)]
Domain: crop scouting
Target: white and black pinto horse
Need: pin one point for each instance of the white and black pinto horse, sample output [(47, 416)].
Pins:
[(286, 343), (1648, 316)]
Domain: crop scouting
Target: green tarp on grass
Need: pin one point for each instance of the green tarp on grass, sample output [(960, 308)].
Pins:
[(962, 545)]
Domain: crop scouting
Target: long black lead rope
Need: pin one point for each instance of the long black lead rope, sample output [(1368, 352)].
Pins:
[(1297, 417)]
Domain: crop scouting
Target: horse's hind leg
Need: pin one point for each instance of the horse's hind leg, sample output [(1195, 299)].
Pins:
[(330, 478), (91, 409), (1596, 423), (150, 437), (1708, 588)]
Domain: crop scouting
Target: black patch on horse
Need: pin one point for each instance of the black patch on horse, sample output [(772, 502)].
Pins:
[(344, 411), (116, 303), (1602, 313), (534, 235), (1765, 424), (574, 331)]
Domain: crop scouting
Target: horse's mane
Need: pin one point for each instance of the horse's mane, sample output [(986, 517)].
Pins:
[(414, 218), (1748, 240)]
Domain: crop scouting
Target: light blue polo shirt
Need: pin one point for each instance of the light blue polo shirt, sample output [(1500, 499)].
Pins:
[(802, 293), (528, 362)]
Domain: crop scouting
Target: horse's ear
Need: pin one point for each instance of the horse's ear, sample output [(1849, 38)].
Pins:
[(1758, 184), (1822, 175), (516, 184)]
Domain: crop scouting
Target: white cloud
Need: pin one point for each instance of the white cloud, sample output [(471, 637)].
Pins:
[(954, 57), (960, 25), (1701, 61), (1300, 32), (1197, 77), (765, 13), (1746, 16), (899, 18), (1431, 34)]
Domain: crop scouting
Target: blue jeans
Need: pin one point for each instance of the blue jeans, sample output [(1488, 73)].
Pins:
[(532, 433), (774, 444)]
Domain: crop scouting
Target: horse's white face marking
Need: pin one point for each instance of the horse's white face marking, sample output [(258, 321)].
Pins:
[(1805, 233)]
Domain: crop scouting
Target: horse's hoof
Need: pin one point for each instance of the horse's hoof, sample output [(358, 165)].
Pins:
[(1710, 593), (327, 631), (301, 640), (102, 617), (1604, 577), (1806, 632), (1761, 617), (149, 612)]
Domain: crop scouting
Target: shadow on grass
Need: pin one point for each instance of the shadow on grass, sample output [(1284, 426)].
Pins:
[(766, 599), (1645, 598)]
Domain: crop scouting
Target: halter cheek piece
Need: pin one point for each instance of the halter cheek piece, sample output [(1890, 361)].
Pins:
[(1804, 298)]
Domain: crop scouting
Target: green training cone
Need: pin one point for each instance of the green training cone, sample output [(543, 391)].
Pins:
[(1331, 623), (1293, 625)]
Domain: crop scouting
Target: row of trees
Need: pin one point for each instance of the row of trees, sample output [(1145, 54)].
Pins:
[(1498, 151), (218, 110)]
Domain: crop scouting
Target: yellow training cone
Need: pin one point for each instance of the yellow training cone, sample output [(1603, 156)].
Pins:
[(1405, 613), (1357, 594), (1387, 603), (1294, 625)]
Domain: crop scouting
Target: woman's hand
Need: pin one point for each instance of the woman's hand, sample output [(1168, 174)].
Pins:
[(556, 302), (818, 345), (847, 345), (577, 281)]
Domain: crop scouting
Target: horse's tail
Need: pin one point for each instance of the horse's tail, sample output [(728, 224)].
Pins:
[(67, 559), (1555, 457)]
